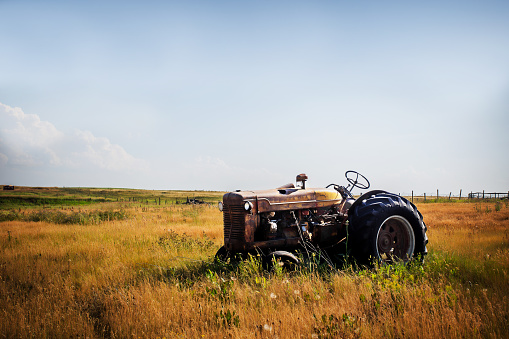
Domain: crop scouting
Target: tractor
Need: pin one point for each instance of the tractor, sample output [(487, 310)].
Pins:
[(292, 221)]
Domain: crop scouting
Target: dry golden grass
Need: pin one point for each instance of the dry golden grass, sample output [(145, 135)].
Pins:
[(142, 277), (476, 230)]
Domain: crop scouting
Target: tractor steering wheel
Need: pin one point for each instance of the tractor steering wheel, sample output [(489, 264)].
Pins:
[(357, 180)]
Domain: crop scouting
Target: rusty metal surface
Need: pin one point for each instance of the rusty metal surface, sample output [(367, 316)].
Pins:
[(326, 234), (292, 199), (284, 199), (240, 225), (276, 243)]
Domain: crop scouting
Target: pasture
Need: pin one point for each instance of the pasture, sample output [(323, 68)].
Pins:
[(130, 263)]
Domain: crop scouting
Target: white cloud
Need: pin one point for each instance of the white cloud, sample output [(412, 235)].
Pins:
[(103, 154), (27, 141)]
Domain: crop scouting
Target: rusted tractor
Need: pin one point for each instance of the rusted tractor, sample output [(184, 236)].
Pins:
[(292, 221)]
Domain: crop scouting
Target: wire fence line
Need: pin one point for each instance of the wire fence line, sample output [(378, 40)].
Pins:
[(471, 195)]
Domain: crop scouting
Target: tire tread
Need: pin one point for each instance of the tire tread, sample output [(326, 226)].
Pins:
[(365, 220)]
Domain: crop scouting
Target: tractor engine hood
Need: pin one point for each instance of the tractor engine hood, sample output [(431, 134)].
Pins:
[(283, 199)]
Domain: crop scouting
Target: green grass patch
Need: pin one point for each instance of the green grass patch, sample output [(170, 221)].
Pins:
[(59, 217), (30, 201)]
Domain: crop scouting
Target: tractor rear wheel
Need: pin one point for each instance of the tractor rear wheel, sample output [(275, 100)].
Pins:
[(386, 228)]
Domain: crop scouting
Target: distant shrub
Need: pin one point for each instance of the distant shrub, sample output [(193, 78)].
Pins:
[(9, 216), (59, 217), (22, 201)]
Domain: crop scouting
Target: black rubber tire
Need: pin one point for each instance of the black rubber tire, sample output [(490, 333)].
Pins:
[(223, 254), (372, 237)]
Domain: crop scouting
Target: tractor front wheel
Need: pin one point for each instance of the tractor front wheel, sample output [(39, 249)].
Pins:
[(222, 254)]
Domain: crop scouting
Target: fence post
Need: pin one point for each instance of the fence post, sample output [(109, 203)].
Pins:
[(437, 195), (483, 194), (424, 196), (460, 194), (450, 195), (412, 197)]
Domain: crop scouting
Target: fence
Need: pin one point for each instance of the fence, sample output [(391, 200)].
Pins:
[(483, 195), (471, 195)]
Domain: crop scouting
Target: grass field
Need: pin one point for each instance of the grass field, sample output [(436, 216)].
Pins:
[(132, 263)]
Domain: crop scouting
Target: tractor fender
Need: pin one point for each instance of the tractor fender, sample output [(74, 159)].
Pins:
[(365, 196), (284, 254)]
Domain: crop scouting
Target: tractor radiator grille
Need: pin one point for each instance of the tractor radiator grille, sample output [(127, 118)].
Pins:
[(234, 218)]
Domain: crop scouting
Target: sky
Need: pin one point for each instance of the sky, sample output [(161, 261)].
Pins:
[(226, 95)]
